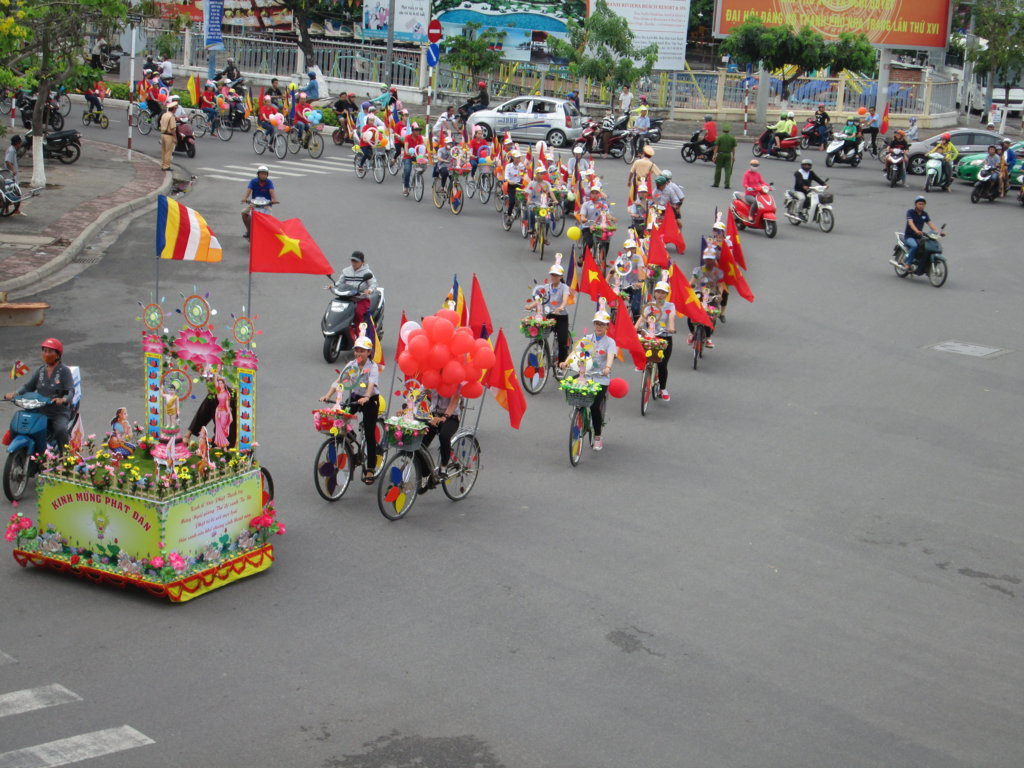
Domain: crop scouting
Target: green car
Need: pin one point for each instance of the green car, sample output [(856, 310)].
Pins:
[(968, 165)]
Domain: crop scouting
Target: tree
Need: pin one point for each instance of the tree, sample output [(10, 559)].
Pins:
[(476, 53), (1001, 23), (806, 51), (305, 12), (702, 14), (601, 49)]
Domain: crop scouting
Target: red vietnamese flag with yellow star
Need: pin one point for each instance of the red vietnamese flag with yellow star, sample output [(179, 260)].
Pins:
[(733, 273), (592, 282), (284, 246), (686, 301), (505, 383)]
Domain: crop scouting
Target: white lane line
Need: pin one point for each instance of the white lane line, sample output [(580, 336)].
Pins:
[(298, 166), (248, 169), (30, 699), (76, 748), (225, 178), (5, 659)]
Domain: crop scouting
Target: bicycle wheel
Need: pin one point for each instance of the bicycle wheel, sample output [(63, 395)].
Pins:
[(316, 146), (332, 469), (456, 197), (698, 344), (466, 461), (394, 162), (500, 201), (86, 118), (398, 486), (65, 104), (417, 186), (645, 390), (629, 153), (542, 236), (577, 433), (485, 186), (360, 164), (104, 121), (471, 186), (259, 142), (280, 146), (524, 221), (380, 434), (378, 167), (294, 142), (223, 129), (506, 221), (438, 192), (200, 125), (534, 367), (557, 224), (145, 123)]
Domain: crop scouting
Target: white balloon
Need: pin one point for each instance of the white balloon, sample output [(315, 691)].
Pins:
[(408, 327)]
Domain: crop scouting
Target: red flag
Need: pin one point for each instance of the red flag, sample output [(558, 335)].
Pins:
[(670, 230), (284, 246), (624, 334), (687, 302), (503, 379), (592, 282), (657, 254), (479, 317), (732, 236), (733, 273), (885, 119), (400, 346)]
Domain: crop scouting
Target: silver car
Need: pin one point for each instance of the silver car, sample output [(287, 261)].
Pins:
[(532, 118), (966, 141)]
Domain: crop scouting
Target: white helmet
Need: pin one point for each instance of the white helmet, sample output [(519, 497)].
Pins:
[(791, 114), (262, 168), (578, 149)]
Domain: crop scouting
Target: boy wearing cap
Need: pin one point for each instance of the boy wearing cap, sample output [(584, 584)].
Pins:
[(555, 306), (663, 313)]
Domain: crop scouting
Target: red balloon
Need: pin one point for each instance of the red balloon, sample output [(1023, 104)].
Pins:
[(618, 387), (439, 355), (161, 97), (472, 389), (408, 363), (449, 314), (428, 324), (453, 373), (462, 342), (473, 372), (483, 358), (430, 379), (419, 346), (447, 390), (441, 331)]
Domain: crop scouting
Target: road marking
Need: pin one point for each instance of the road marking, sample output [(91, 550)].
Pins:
[(224, 178), (969, 349), (248, 169), (5, 659), (76, 748), (30, 699)]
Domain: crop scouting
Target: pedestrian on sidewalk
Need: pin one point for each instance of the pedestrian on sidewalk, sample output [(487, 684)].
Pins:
[(168, 129), (724, 155), (11, 166)]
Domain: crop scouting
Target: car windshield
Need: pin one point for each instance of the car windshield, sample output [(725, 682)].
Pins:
[(570, 109)]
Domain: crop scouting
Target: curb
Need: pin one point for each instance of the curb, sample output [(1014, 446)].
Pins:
[(76, 246)]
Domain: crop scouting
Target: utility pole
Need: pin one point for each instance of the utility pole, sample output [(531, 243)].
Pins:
[(389, 54)]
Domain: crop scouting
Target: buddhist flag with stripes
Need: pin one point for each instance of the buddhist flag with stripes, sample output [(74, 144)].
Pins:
[(193, 90), (378, 352), (181, 233), (456, 300)]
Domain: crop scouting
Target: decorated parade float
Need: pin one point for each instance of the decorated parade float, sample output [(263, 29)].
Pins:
[(176, 510)]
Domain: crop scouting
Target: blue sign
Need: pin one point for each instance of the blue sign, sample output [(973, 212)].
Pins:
[(433, 54), (213, 18)]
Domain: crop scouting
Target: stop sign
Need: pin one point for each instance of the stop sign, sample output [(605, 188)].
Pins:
[(434, 31)]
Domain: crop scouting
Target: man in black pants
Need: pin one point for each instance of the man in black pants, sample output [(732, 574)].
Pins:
[(205, 413)]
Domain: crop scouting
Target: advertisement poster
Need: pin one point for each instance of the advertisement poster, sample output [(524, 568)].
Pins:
[(893, 23), (658, 21), (411, 19), (527, 25), (250, 15), (213, 19)]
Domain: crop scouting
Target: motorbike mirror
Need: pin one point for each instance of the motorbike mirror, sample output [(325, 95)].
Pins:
[(942, 228)]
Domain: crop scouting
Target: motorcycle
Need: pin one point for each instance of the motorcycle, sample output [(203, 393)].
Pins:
[(337, 321), (842, 151), (695, 149), (588, 136), (987, 185), (27, 437), (51, 111), (764, 216), (236, 117), (787, 149), (185, 138), (65, 146), (934, 173), (929, 259), (896, 166), (809, 136), (818, 208)]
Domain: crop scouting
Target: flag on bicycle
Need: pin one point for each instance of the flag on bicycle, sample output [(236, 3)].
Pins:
[(378, 351), (400, 346), (503, 379), (592, 282), (733, 273), (732, 236), (479, 316), (193, 90), (284, 246), (687, 302), (456, 300), (572, 276), (624, 334), (657, 254), (182, 234), (670, 230)]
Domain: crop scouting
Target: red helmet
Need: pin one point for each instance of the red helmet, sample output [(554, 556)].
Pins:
[(53, 344), (482, 84), (947, 136)]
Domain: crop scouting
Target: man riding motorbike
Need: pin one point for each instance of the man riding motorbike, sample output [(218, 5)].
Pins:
[(821, 123), (708, 135), (782, 129), (753, 181), (54, 380), (482, 100), (914, 232), (802, 181)]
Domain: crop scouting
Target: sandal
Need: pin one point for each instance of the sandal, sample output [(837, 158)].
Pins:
[(368, 477)]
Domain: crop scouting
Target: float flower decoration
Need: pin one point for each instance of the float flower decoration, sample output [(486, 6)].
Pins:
[(153, 343), (586, 387), (198, 346), (406, 432), (20, 527), (245, 358)]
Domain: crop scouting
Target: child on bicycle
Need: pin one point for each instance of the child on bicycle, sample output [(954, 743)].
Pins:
[(706, 279), (629, 269), (208, 104), (442, 159), (555, 305), (660, 317), (95, 95), (356, 391), (267, 110), (602, 354), (444, 422), (538, 193)]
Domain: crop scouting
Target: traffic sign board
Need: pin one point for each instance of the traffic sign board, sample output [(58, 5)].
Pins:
[(135, 18), (433, 54), (434, 30)]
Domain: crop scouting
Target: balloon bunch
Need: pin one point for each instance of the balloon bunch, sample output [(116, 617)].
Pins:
[(277, 120), (315, 116), (443, 356)]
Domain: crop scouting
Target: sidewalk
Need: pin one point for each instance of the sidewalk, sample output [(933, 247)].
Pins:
[(79, 200)]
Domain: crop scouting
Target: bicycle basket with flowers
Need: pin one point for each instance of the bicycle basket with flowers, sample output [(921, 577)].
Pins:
[(580, 394)]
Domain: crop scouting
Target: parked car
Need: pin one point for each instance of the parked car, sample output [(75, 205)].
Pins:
[(968, 165), (966, 140), (533, 118)]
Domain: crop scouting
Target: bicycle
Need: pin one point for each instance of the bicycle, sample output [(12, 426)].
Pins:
[(581, 397), (456, 196), (448, 193), (100, 118), (63, 100), (538, 358), (541, 228), (412, 470), (310, 139), (485, 181), (261, 142), (343, 450), (359, 162), (519, 211), (654, 349), (219, 127), (143, 120), (379, 164), (417, 180), (700, 331)]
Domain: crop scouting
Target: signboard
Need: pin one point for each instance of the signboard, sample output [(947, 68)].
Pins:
[(176, 10), (434, 31), (525, 28), (658, 21), (213, 18), (410, 22), (433, 54), (894, 23)]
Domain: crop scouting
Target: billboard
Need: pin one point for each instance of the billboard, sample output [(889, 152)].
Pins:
[(892, 23), (411, 19), (527, 24), (658, 21)]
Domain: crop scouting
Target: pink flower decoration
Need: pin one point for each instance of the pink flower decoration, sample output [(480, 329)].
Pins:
[(266, 521), (14, 517), (198, 345), (10, 535), (245, 358), (280, 529), (157, 562), (152, 343), (177, 561), (25, 522), (255, 522)]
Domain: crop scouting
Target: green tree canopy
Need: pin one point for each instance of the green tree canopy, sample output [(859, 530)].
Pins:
[(1001, 23)]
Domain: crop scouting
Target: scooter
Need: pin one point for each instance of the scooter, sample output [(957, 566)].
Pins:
[(842, 151), (934, 173), (896, 167), (809, 136), (819, 208), (185, 139), (787, 149), (928, 260), (695, 149), (588, 136), (65, 146), (337, 320), (764, 216), (51, 111), (987, 185)]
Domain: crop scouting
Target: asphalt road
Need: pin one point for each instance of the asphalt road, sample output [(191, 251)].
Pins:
[(810, 556)]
